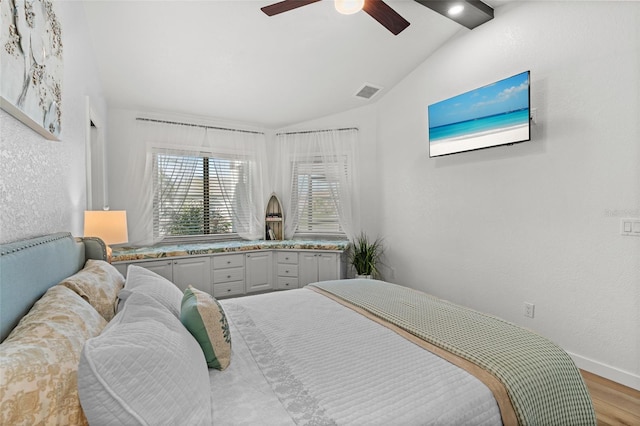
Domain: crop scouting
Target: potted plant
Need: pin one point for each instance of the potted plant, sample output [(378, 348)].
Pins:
[(364, 255)]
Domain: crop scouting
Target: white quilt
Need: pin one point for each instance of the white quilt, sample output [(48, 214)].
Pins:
[(301, 358)]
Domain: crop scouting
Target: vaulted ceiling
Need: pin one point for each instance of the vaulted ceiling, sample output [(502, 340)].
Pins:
[(228, 60)]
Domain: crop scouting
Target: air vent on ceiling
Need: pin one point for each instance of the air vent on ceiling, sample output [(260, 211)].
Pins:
[(368, 91)]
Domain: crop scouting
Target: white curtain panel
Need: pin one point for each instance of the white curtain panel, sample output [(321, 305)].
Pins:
[(333, 154), (163, 138), (246, 200)]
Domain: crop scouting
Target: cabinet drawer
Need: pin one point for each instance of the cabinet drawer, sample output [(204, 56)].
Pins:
[(285, 283), (285, 257), (287, 270), (228, 289), (228, 261), (228, 275)]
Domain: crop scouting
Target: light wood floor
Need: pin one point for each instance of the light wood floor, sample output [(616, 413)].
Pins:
[(614, 403)]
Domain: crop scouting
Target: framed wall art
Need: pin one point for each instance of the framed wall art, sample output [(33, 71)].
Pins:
[(31, 65)]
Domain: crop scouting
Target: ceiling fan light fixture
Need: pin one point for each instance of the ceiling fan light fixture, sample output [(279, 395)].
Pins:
[(377, 9), (349, 7)]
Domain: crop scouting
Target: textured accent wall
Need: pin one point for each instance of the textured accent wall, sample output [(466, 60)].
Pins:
[(42, 183), (33, 182)]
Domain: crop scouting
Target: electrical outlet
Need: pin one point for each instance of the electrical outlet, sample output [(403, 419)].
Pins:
[(529, 309)]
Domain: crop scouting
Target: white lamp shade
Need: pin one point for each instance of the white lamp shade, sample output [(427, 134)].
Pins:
[(108, 225)]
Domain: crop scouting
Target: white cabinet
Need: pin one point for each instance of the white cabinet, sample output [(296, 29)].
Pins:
[(328, 267), (314, 267), (161, 267), (193, 271), (235, 274), (286, 270), (258, 271), (228, 275)]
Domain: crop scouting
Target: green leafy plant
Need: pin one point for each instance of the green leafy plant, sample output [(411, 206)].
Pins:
[(190, 220), (365, 255)]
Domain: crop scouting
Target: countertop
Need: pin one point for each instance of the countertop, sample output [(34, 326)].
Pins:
[(122, 254)]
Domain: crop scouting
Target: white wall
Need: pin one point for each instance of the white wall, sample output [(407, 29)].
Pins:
[(538, 221), (42, 183)]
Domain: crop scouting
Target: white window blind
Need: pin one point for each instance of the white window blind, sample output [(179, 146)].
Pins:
[(315, 194), (198, 194)]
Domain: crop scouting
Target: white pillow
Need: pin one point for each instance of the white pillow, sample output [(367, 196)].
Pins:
[(145, 368), (141, 280)]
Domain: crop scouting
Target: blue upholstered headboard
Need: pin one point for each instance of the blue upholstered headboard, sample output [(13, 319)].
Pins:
[(29, 267)]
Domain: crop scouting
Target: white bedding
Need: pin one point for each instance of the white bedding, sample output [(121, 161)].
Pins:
[(301, 358)]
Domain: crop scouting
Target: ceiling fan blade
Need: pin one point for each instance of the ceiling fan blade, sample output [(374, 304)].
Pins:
[(389, 18), (285, 6)]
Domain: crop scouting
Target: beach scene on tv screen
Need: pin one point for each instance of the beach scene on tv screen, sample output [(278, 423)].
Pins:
[(489, 116)]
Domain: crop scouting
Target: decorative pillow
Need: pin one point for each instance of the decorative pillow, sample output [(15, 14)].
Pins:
[(141, 280), (39, 361), (145, 368), (203, 316), (98, 283)]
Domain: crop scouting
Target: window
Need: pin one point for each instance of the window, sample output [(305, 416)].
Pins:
[(316, 195), (198, 194)]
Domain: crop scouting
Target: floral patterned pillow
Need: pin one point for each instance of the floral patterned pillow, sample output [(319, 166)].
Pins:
[(203, 316), (39, 361), (98, 283)]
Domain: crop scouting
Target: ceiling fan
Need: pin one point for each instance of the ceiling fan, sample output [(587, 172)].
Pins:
[(377, 9)]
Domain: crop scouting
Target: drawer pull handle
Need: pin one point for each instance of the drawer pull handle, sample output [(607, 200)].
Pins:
[(228, 262), (228, 276), (228, 290), (286, 258), (286, 272)]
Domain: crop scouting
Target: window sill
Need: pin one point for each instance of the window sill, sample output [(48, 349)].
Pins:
[(196, 239), (312, 236)]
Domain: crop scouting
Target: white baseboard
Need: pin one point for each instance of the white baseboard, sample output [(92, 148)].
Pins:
[(608, 372)]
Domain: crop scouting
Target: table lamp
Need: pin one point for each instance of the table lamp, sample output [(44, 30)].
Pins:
[(108, 225)]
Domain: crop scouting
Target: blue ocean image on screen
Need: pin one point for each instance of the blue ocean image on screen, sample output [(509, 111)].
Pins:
[(479, 125), (502, 105)]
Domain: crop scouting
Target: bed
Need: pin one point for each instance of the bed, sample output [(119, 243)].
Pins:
[(338, 352)]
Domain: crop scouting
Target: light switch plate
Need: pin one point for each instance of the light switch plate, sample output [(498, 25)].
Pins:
[(630, 227)]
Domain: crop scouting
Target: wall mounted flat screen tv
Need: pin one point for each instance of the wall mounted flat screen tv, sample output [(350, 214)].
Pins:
[(492, 115)]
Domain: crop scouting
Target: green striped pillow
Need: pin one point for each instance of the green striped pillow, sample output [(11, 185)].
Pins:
[(203, 316)]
